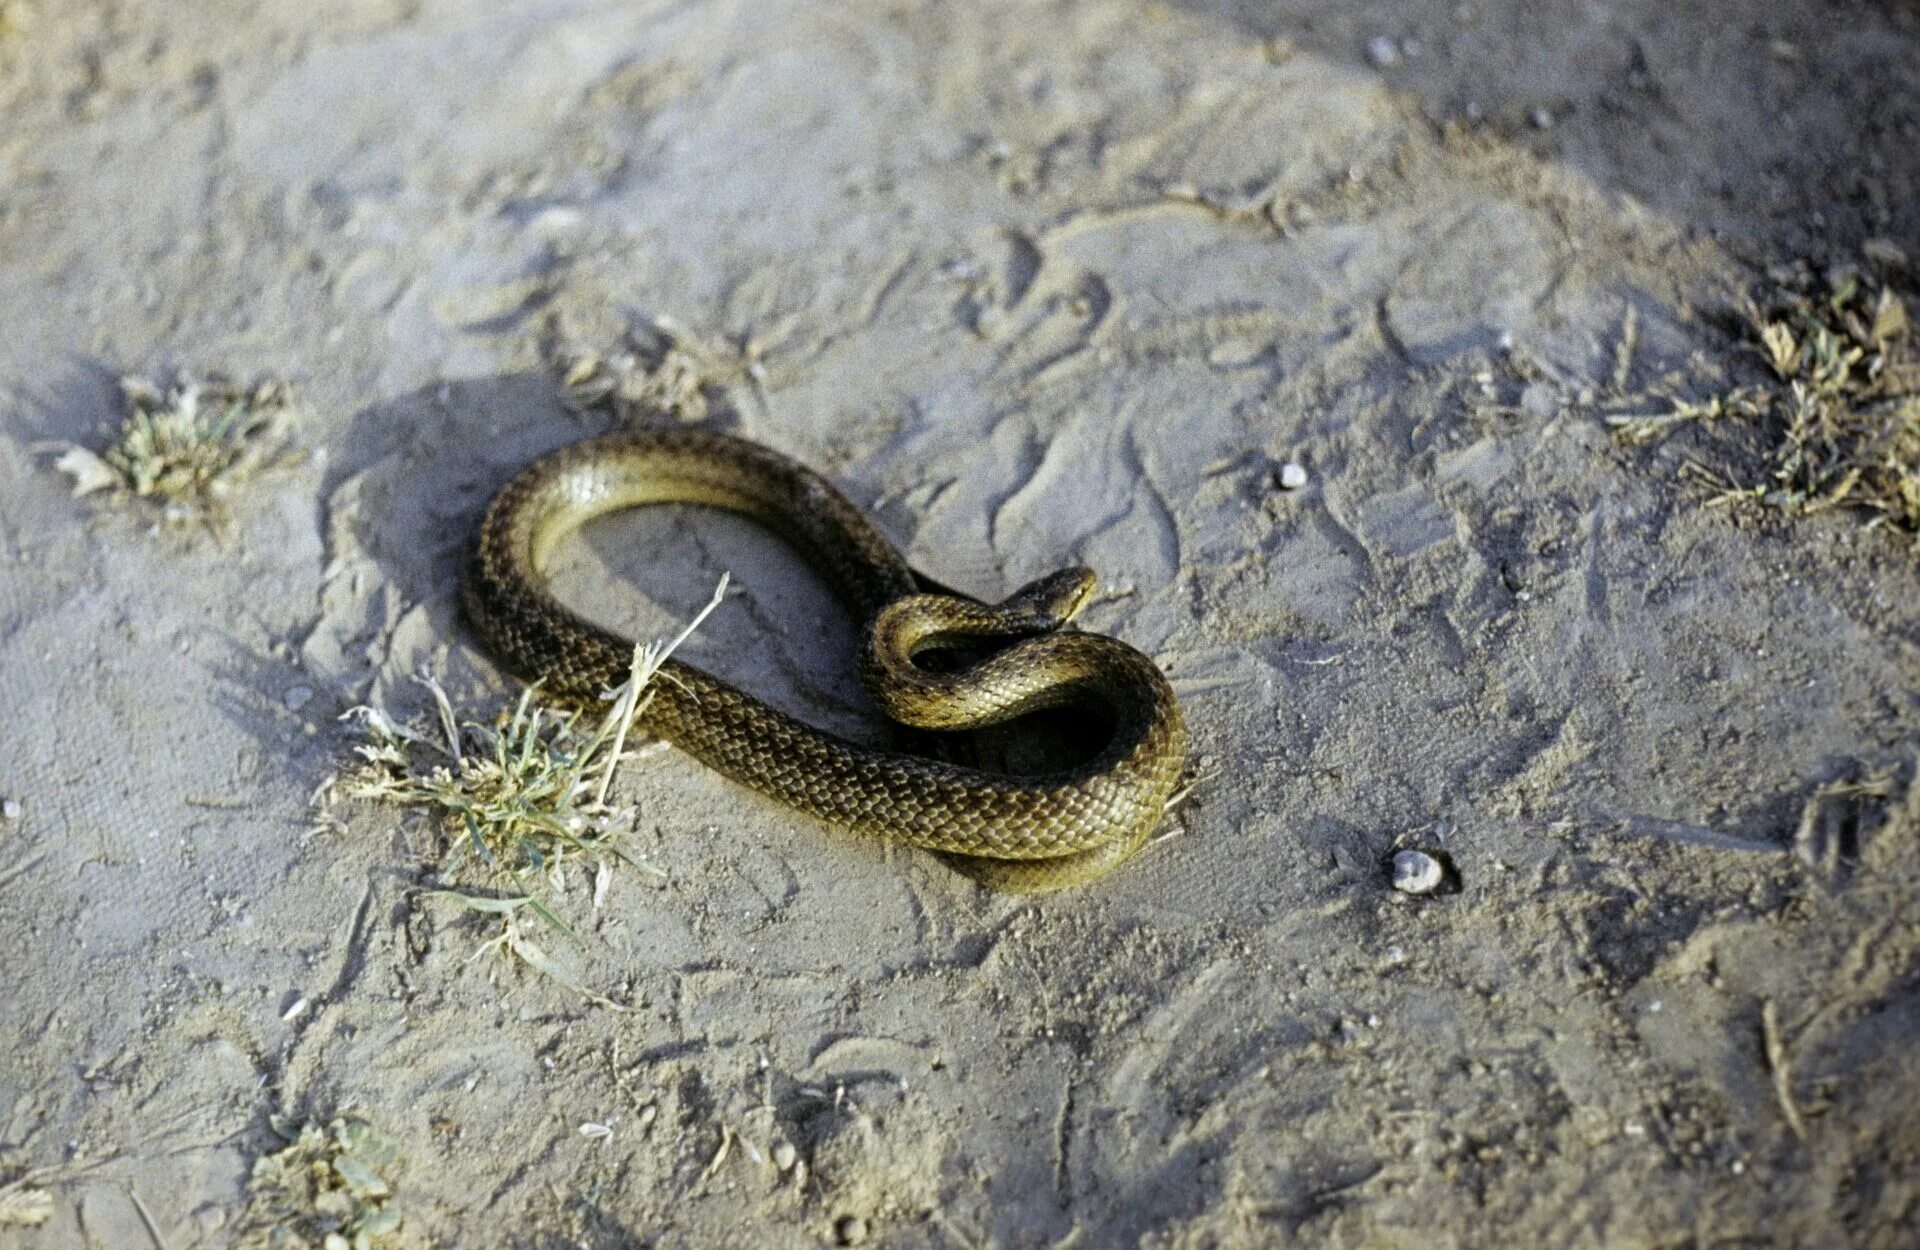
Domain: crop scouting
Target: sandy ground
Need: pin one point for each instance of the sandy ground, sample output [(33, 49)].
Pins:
[(1038, 283)]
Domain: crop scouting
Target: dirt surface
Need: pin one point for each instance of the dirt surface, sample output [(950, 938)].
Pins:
[(1038, 283)]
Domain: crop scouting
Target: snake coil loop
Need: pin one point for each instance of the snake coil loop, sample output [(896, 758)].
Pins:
[(1017, 833)]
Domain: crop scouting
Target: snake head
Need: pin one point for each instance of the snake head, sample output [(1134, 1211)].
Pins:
[(1050, 602)]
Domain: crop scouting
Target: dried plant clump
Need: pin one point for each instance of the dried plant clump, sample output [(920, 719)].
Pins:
[(1745, 403), (660, 370), (1850, 368), (324, 1190), (1838, 414), (186, 446), (24, 1206), (526, 801)]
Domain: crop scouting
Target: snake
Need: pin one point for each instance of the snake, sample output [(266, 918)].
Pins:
[(1011, 831)]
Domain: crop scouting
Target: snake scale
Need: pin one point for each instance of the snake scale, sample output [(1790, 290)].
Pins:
[(1012, 832)]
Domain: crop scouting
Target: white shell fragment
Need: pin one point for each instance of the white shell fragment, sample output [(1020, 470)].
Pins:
[(1416, 872)]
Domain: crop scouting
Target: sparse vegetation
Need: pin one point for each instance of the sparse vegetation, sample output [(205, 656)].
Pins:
[(1838, 414), (326, 1189), (186, 446), (526, 801), (661, 370), (24, 1206)]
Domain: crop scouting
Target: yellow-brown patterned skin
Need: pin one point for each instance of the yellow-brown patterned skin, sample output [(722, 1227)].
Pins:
[(1021, 833)]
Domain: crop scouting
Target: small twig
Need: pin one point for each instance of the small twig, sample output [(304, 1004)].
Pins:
[(1778, 1060), (719, 593), (448, 724), (1187, 786), (627, 706), (1623, 350), (146, 1217), (720, 1155), (647, 660)]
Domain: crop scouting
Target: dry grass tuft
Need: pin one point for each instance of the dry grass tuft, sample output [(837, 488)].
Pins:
[(1850, 368), (325, 1188), (184, 448), (1838, 414), (24, 1206), (524, 802), (659, 371)]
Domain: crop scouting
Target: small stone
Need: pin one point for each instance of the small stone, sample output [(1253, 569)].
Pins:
[(1237, 355), (297, 697), (851, 1230), (1416, 872), (1293, 475), (784, 1155), (557, 220), (10, 809), (1382, 51), (1539, 400), (1542, 118)]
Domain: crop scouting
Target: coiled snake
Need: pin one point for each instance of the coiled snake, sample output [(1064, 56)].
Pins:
[(1012, 832)]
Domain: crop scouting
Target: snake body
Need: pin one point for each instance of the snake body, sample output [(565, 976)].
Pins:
[(1012, 832)]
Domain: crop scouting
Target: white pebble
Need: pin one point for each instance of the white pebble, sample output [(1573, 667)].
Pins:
[(1416, 872), (784, 1155), (1293, 475), (1382, 51), (1542, 118), (10, 809)]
